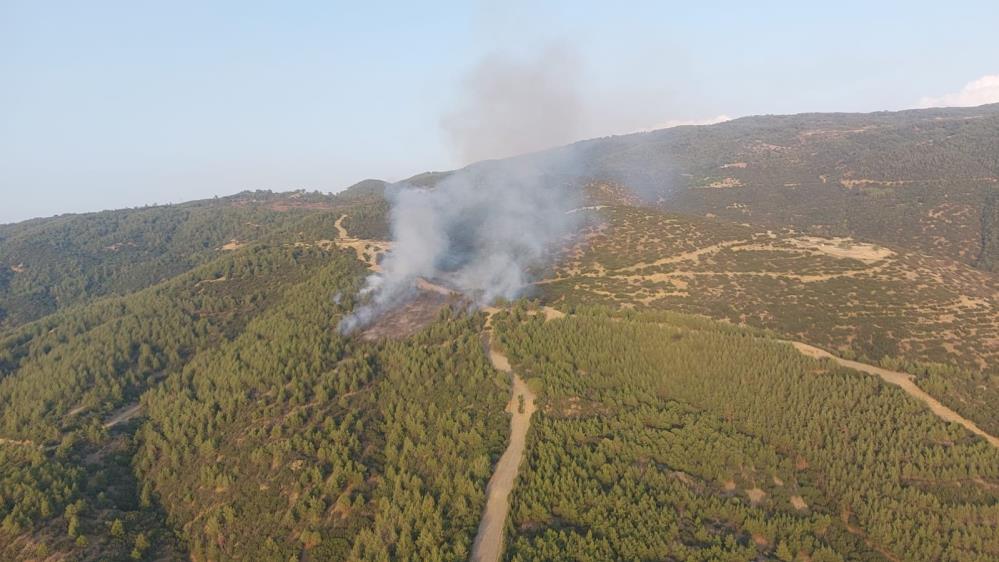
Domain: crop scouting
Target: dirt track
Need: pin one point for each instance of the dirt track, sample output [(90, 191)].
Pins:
[(368, 251), (123, 415), (488, 543), (904, 381)]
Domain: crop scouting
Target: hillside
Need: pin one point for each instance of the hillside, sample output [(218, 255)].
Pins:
[(936, 318), (174, 383), (760, 452), (49, 264), (923, 179)]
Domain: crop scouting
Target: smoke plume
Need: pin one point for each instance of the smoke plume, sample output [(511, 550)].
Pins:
[(515, 105), (481, 229)]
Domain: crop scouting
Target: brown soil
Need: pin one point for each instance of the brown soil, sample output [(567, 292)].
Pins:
[(844, 248), (756, 495), (850, 183), (204, 281), (430, 286), (724, 183), (681, 257), (552, 313), (75, 411), (16, 442)]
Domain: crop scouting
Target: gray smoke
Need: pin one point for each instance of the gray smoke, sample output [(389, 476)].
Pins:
[(483, 228), (515, 105)]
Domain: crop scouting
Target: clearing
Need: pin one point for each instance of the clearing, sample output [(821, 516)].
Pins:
[(368, 251)]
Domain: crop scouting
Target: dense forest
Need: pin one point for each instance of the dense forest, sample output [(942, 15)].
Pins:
[(661, 437), (311, 441), (65, 377)]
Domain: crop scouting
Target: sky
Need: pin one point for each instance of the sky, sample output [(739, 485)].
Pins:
[(119, 104)]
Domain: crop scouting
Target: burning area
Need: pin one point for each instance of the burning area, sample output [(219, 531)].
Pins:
[(483, 229), (421, 308)]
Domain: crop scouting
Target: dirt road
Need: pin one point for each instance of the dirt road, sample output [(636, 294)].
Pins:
[(123, 415), (488, 543), (368, 251), (904, 381)]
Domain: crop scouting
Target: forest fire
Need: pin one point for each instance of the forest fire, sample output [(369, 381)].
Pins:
[(418, 311)]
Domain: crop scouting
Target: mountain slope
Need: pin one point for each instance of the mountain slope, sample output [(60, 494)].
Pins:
[(924, 180), (918, 179), (935, 318), (65, 380), (173, 383), (50, 264), (759, 452)]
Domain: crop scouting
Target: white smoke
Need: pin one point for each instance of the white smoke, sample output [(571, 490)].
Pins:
[(483, 228)]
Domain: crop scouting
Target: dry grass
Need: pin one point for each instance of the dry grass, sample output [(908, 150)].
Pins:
[(368, 251), (755, 495), (839, 293)]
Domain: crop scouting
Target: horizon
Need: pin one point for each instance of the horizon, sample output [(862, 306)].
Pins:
[(292, 189), (123, 106)]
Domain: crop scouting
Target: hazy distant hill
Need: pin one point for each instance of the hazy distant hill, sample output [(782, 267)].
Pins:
[(924, 179)]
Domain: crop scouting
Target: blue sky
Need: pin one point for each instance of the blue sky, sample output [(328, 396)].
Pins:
[(114, 104)]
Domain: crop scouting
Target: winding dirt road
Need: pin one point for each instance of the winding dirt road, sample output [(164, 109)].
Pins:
[(904, 381), (488, 543)]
